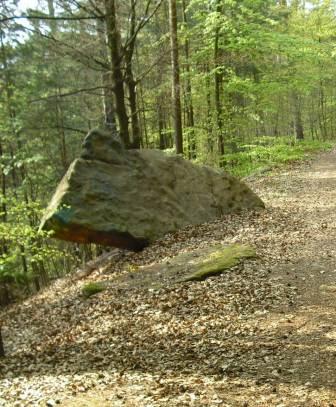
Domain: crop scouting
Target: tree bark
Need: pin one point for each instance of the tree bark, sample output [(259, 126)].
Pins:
[(106, 80), (188, 95), (3, 248), (160, 119), (298, 117), (58, 105), (218, 86), (113, 41), (143, 116), (2, 348), (131, 83), (176, 94), (209, 112)]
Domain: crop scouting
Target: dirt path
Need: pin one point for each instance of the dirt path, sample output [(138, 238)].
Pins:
[(263, 334), (307, 360)]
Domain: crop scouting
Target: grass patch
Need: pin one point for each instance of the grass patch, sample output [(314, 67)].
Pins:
[(259, 158), (221, 260), (92, 288)]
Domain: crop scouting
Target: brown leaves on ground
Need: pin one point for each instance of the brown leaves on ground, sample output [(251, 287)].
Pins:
[(261, 334)]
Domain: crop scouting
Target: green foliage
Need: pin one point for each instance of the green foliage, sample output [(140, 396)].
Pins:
[(92, 288), (11, 272), (256, 157), (26, 247)]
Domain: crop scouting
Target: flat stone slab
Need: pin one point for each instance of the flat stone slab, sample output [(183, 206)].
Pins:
[(192, 266)]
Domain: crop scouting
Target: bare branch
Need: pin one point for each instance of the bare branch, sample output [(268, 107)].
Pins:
[(72, 93), (142, 23), (97, 12), (75, 52), (55, 128), (4, 19)]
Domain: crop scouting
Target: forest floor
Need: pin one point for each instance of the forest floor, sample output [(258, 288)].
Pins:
[(261, 334)]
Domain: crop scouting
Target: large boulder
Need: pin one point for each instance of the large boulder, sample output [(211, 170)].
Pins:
[(128, 198)]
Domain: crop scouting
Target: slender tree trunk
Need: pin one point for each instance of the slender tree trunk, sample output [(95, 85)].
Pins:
[(106, 80), (136, 133), (4, 292), (322, 113), (332, 123), (2, 348), (143, 116), (113, 41), (209, 112), (188, 95), (298, 117), (131, 83), (218, 87), (60, 124), (58, 104), (176, 93), (160, 120), (3, 248)]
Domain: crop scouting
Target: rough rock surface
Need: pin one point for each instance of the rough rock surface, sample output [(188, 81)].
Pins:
[(196, 265), (129, 198)]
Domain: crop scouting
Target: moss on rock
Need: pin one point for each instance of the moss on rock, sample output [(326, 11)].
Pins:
[(219, 261), (193, 265)]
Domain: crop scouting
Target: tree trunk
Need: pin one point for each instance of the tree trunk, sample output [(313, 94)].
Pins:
[(322, 113), (3, 248), (176, 96), (209, 112), (218, 86), (2, 348), (143, 116), (131, 83), (57, 75), (188, 95), (136, 134), (106, 80), (160, 120), (113, 41), (298, 117)]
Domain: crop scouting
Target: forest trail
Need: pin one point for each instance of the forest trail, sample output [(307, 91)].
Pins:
[(262, 334)]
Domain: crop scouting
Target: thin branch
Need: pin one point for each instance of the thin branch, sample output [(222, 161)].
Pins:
[(44, 17), (142, 23), (150, 68), (76, 53), (74, 92), (54, 128), (97, 12)]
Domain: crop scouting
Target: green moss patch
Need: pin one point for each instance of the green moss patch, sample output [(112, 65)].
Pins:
[(193, 265), (219, 261), (92, 288)]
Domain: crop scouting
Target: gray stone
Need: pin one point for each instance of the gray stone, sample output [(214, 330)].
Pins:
[(129, 198)]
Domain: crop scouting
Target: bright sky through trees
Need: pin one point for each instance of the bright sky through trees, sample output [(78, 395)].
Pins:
[(25, 4)]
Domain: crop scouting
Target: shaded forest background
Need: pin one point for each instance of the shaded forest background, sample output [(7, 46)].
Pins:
[(236, 84)]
